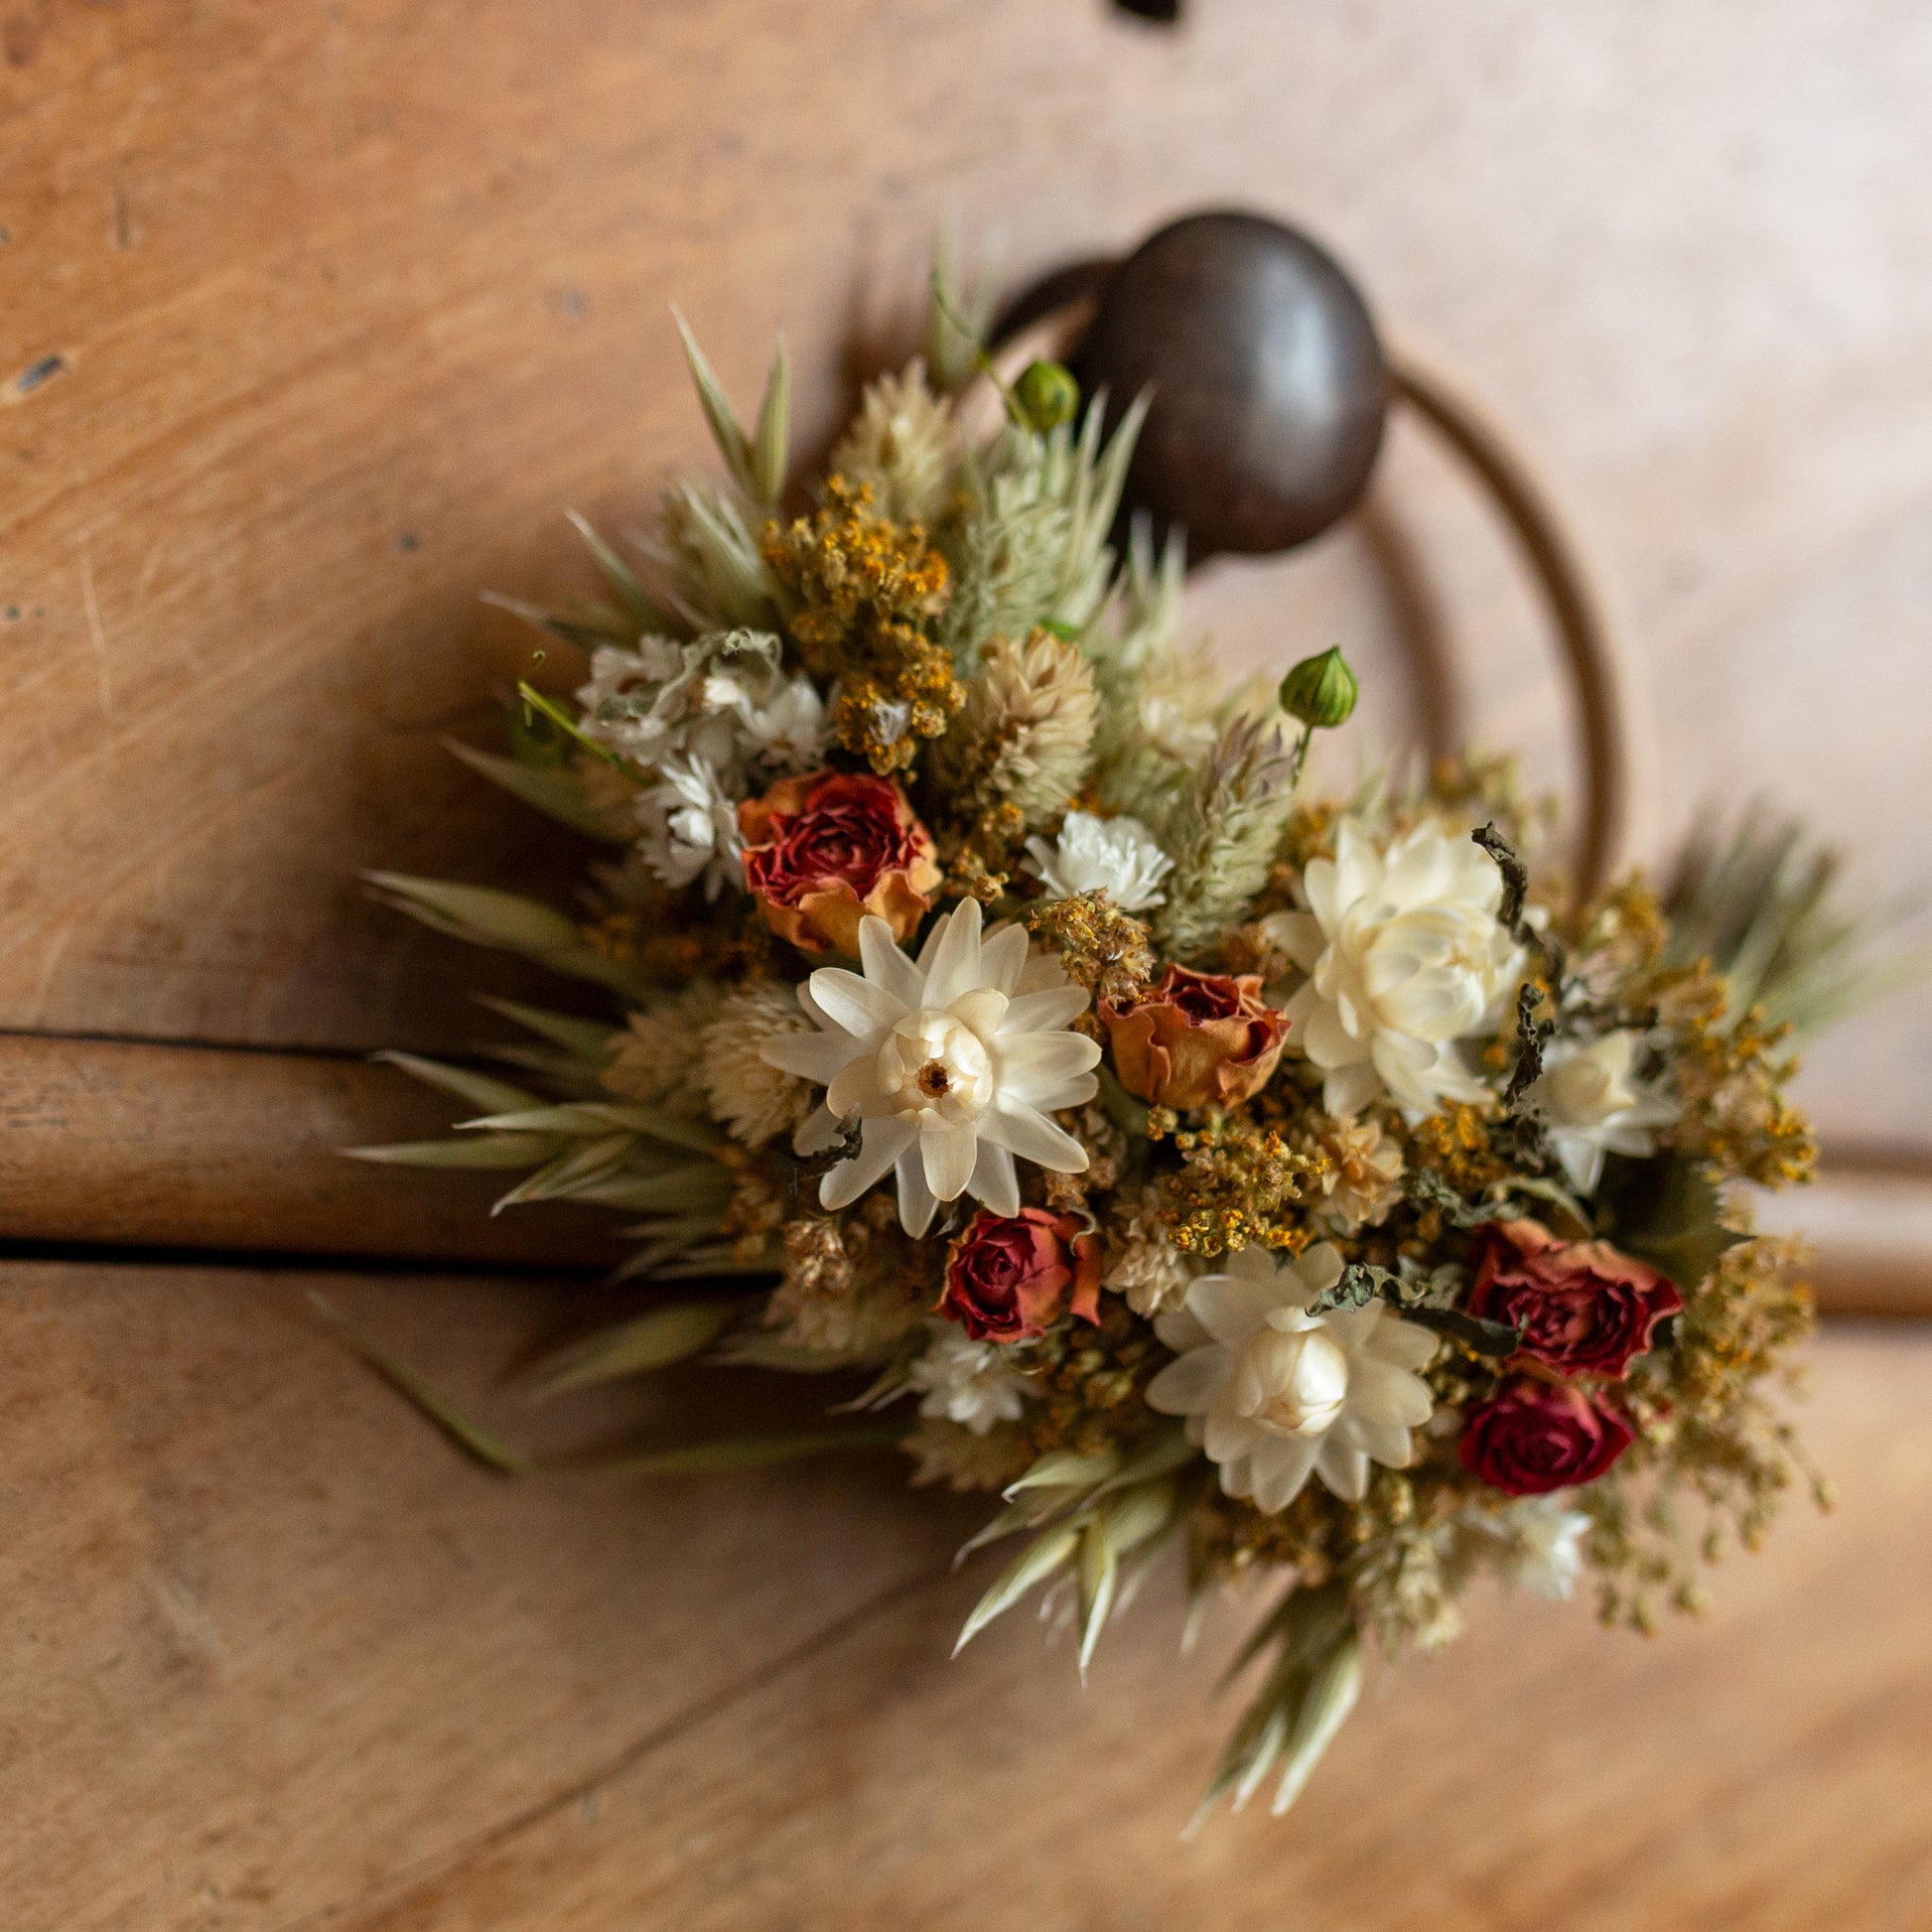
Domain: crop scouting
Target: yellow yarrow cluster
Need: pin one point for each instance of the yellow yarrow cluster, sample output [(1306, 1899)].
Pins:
[(862, 591)]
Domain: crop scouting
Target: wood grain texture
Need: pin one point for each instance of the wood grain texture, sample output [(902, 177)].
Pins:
[(350, 300), (280, 1661), (121, 1143)]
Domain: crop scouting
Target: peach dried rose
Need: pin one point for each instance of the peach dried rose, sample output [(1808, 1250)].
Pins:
[(823, 851), (1196, 1039)]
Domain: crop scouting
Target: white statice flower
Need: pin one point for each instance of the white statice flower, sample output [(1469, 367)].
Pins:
[(688, 826), (1274, 1393), (714, 720), (1145, 1267), (965, 1381), (1406, 958), (1545, 1542), (751, 1097), (950, 1065), (1592, 1104), (1115, 855)]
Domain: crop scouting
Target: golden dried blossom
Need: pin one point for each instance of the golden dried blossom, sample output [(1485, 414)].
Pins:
[(1239, 1185), (1100, 947), (861, 591)]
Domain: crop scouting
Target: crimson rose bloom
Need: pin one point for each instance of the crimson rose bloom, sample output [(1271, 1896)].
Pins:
[(1582, 1307), (1534, 1436), (824, 850), (1196, 1039), (1007, 1274)]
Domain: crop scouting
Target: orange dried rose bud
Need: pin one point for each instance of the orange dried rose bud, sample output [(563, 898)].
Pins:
[(823, 851), (1197, 1040)]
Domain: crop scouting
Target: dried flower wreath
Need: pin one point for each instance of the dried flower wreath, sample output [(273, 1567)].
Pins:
[(1311, 1184)]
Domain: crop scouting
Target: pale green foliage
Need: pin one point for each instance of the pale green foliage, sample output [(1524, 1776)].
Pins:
[(1025, 735), (902, 446), (709, 550), (1029, 547), (1760, 904), (1106, 1516), (756, 462), (952, 353), (557, 790), (1223, 836)]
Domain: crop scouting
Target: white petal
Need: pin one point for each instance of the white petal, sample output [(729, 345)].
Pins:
[(1232, 1306), (1402, 1342), (1035, 1065), (955, 967), (1348, 1089), (917, 1206), (1044, 1011), (1344, 1470), (1278, 1469), (1300, 936), (819, 1130), (1319, 1267), (1321, 888), (861, 1007), (880, 1142), (1232, 1438), (982, 1009), (1187, 1387), (884, 964), (1382, 1393), (994, 1180), (950, 1153), (1003, 957), (1032, 1137), (1328, 1041), (812, 1056), (855, 1087)]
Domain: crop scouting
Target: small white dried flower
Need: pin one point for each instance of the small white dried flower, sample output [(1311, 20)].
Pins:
[(1363, 1180), (965, 1381), (688, 827), (752, 1098), (1116, 856), (902, 445), (1145, 1266), (1594, 1105)]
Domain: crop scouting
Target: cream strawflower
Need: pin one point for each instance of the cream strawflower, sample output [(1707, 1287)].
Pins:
[(1404, 957), (1273, 1393), (1117, 856), (950, 1065), (1593, 1106)]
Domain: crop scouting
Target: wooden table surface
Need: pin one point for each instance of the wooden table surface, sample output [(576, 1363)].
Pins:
[(315, 315)]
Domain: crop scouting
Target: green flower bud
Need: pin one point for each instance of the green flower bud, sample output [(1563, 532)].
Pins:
[(1045, 396), (1320, 691)]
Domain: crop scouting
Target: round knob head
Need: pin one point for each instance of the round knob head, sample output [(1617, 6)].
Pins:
[(1269, 385)]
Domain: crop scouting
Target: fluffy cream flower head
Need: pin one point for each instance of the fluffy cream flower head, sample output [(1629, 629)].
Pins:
[(1404, 957), (950, 1063), (1274, 1393)]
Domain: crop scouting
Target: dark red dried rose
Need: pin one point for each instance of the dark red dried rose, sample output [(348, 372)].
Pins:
[(1534, 1435), (1582, 1307), (1009, 1273), (823, 851), (1196, 1039)]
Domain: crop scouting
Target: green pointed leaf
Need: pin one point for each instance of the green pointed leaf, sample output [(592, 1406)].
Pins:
[(594, 1040), (646, 613), (485, 1151), (634, 1347), (586, 629), (771, 452), (555, 791), (1099, 1579), (1323, 1710), (745, 1453), (1038, 1560), (1064, 1469), (470, 1436), (725, 431), (479, 1089)]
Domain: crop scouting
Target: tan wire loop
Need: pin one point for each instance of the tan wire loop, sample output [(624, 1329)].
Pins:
[(1604, 671)]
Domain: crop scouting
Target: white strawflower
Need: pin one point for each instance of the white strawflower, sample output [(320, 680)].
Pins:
[(965, 1381), (745, 1091), (1274, 1393), (1593, 1106), (1404, 957), (1116, 856), (950, 1065)]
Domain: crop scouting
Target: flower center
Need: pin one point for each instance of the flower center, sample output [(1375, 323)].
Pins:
[(1294, 1382), (936, 1067)]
